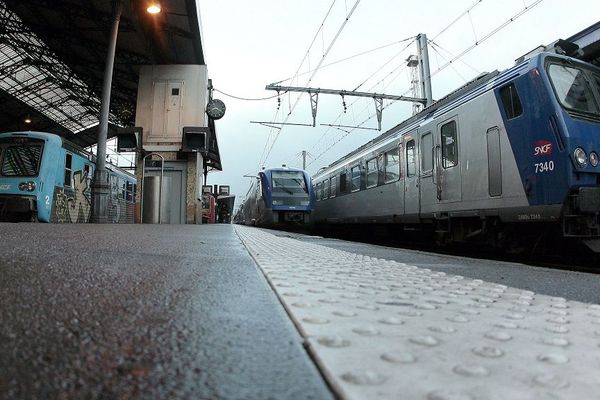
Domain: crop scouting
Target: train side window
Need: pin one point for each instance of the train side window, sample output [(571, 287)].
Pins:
[(134, 194), (426, 152), (68, 170), (343, 183), (355, 171), (392, 166), (372, 172), (333, 183), (122, 188), (129, 192), (449, 145), (87, 172), (318, 191), (411, 160), (511, 101), (326, 184)]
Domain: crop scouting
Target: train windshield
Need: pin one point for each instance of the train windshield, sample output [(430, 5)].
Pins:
[(574, 88), (288, 181), (21, 158)]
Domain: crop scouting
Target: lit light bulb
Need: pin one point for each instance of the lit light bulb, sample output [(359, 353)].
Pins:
[(153, 9)]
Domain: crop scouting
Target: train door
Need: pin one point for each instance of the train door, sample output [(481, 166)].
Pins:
[(428, 180), (411, 178), (446, 174)]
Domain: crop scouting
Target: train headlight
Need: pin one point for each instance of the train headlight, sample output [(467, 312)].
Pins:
[(277, 202), (594, 159), (580, 157), (27, 186)]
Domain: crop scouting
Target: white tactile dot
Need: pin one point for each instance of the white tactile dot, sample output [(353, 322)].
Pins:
[(399, 357), (471, 370), (554, 358), (364, 378), (333, 341), (380, 329), (448, 395)]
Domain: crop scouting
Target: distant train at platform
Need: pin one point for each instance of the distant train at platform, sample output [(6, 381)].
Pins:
[(507, 159), (45, 178), (278, 197)]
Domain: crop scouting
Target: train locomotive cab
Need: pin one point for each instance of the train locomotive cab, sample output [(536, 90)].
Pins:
[(21, 177), (289, 193), (279, 197), (44, 178), (576, 90)]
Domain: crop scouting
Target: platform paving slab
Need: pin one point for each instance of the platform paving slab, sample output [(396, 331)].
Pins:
[(381, 329), (143, 312)]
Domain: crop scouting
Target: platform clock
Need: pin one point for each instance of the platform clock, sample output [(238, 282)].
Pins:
[(215, 109)]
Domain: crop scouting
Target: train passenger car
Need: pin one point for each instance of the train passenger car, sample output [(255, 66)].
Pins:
[(511, 152), (47, 179), (279, 196)]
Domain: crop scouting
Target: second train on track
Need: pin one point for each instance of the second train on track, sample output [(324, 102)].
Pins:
[(278, 197)]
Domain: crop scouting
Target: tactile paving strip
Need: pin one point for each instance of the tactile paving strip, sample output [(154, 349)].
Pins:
[(381, 329)]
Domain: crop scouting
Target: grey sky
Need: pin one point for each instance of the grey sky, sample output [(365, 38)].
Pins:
[(249, 44)]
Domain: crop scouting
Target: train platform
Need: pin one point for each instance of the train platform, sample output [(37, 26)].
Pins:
[(186, 311)]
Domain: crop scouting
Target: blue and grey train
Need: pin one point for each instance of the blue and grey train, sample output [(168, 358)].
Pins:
[(278, 197), (508, 157), (44, 178)]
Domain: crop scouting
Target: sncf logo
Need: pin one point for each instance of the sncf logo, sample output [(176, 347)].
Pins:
[(542, 148)]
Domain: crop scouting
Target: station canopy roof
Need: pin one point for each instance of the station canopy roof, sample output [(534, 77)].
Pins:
[(53, 52)]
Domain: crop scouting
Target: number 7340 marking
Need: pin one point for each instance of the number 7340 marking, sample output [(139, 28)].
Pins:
[(544, 167)]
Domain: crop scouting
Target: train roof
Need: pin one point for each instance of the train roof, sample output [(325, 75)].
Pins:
[(471, 89), (40, 135), (61, 141), (282, 169)]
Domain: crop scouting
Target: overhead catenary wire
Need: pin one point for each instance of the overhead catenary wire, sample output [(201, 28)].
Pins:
[(248, 98), (437, 53), (488, 35), (395, 70), (467, 11), (471, 7), (341, 28), (438, 48), (383, 66), (330, 126), (403, 66), (464, 52), (262, 158), (362, 53)]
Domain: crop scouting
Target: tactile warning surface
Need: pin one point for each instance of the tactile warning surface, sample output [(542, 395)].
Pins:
[(383, 329)]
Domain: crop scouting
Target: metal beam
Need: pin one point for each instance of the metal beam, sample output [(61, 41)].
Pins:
[(344, 93)]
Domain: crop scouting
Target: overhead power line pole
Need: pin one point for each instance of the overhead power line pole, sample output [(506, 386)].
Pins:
[(425, 73), (303, 159)]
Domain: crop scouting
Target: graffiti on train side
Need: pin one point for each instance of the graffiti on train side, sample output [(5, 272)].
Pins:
[(114, 203), (74, 204)]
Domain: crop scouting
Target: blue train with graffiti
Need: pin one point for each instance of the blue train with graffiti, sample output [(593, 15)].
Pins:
[(45, 178)]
